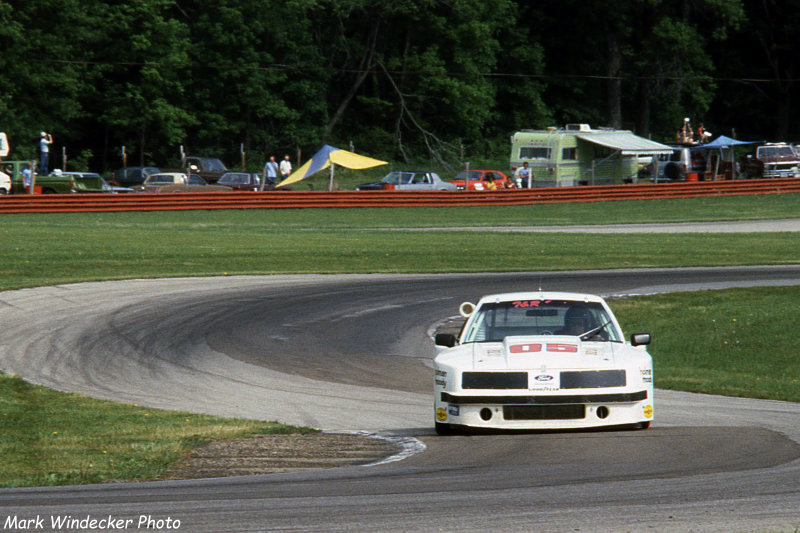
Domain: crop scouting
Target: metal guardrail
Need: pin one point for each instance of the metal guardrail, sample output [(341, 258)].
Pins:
[(65, 203)]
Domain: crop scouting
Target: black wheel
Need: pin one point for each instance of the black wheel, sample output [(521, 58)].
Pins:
[(672, 171), (443, 429), (644, 425)]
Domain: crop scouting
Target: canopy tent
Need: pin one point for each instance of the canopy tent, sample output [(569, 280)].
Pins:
[(723, 144), (327, 157)]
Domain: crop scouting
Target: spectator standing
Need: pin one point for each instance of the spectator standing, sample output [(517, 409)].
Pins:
[(26, 175), (45, 140), (271, 168), (686, 132), (524, 173), (286, 167)]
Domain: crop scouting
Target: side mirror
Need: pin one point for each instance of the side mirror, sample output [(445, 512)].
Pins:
[(445, 339), (466, 309), (639, 339)]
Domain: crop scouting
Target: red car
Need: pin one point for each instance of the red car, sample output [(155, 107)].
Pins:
[(480, 180)]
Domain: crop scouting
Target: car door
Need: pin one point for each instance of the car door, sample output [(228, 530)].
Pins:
[(420, 182)]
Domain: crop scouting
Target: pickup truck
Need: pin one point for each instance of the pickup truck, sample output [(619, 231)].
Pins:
[(208, 168), (56, 183), (772, 160), (178, 182)]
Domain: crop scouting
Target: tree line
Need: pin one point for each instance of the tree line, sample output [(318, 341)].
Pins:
[(404, 80)]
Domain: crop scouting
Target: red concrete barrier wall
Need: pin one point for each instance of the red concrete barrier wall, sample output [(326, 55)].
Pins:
[(61, 203)]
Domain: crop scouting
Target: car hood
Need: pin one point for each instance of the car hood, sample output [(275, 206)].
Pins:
[(783, 158), (372, 185), (537, 352)]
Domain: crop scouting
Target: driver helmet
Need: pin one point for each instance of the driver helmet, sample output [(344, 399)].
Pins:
[(578, 317)]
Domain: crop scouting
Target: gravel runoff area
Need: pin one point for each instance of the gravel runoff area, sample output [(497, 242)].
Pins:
[(269, 454)]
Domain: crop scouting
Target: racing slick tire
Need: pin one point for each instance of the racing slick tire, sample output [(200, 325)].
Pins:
[(444, 429)]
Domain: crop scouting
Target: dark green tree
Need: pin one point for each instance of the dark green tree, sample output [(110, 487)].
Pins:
[(758, 65), (418, 71), (140, 63), (256, 79), (42, 71), (643, 64)]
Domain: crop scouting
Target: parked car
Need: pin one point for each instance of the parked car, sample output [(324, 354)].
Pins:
[(478, 180), (772, 160), (243, 181), (409, 181), (115, 189), (130, 176), (675, 166), (208, 168), (178, 182), (57, 182), (249, 181), (83, 181)]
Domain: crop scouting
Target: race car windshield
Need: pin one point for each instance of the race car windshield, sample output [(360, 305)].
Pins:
[(495, 321)]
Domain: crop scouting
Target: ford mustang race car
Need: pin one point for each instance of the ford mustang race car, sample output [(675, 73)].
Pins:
[(541, 360)]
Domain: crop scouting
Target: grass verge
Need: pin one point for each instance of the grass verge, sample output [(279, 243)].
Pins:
[(54, 438), (734, 342), (71, 248), (723, 342)]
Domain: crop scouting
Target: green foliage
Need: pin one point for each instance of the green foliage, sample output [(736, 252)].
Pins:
[(141, 66), (255, 78), (421, 81), (80, 162)]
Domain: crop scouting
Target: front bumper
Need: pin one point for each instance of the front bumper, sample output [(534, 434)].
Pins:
[(781, 171), (544, 412)]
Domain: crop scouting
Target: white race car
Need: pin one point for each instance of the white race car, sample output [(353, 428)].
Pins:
[(541, 360)]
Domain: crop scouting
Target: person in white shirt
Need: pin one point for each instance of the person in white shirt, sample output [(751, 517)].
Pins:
[(286, 167), (45, 140)]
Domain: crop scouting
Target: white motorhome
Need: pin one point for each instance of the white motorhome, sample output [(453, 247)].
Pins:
[(580, 155)]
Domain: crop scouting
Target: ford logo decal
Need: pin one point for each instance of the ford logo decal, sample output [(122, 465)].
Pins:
[(543, 377)]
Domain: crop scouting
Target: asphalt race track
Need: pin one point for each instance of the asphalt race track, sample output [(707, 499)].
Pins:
[(352, 352)]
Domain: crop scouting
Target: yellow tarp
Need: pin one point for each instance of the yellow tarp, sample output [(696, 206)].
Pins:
[(324, 158)]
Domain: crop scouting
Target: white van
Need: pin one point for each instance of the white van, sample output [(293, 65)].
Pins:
[(675, 166)]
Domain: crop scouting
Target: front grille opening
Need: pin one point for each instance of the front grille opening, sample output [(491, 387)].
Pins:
[(544, 412), (494, 380), (593, 379)]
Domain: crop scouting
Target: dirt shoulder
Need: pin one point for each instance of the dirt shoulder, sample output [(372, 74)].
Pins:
[(267, 454)]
